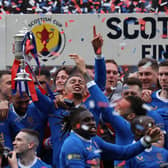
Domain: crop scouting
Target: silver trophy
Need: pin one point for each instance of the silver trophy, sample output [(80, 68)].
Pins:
[(22, 75), (19, 55)]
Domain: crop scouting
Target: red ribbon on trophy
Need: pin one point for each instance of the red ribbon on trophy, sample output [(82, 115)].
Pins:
[(22, 76), (14, 71)]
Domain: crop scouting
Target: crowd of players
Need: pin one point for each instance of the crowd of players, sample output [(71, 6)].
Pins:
[(78, 103)]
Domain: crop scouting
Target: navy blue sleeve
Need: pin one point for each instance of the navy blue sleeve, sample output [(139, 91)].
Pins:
[(44, 103), (100, 73), (118, 123), (118, 152), (98, 96), (71, 155), (99, 100)]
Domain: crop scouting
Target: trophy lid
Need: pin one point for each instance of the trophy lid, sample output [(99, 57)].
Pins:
[(22, 32)]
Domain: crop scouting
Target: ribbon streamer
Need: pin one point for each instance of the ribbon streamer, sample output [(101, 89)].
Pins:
[(28, 46)]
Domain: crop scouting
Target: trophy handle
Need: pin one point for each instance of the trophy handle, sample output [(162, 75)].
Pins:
[(38, 34), (51, 34)]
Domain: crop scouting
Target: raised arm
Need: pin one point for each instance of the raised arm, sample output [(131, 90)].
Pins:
[(100, 68), (44, 103)]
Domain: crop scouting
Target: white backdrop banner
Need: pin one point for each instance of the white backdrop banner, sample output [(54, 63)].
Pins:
[(127, 37)]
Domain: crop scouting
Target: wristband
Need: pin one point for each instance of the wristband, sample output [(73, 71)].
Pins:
[(146, 141), (90, 84), (99, 56)]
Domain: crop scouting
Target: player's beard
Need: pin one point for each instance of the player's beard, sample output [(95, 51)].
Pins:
[(77, 95)]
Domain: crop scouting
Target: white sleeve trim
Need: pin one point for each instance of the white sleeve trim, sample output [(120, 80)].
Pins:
[(146, 145), (99, 56), (90, 84)]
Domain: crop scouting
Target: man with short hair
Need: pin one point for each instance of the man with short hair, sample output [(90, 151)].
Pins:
[(148, 73), (160, 97), (113, 86), (132, 87), (25, 146)]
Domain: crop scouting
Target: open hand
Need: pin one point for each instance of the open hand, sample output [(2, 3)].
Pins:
[(80, 63)]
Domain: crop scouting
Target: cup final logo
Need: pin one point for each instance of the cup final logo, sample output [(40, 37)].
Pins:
[(50, 39)]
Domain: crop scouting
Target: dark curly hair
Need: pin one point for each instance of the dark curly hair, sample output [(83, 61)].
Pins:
[(72, 118)]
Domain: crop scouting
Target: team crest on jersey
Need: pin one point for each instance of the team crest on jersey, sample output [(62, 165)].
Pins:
[(89, 148), (50, 41), (139, 158)]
